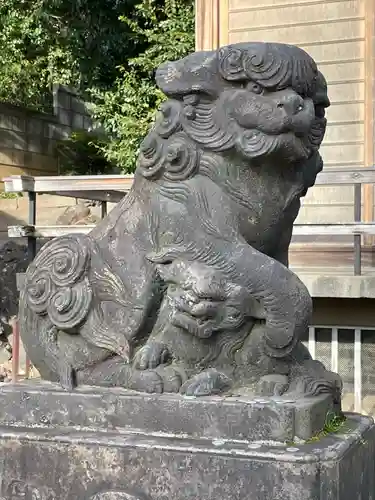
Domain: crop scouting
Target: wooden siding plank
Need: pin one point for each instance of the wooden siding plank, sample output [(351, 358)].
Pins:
[(345, 176), (337, 195), (266, 4), (207, 23), (223, 22), (368, 191), (350, 112), (345, 50), (340, 153), (294, 14), (343, 72), (344, 133), (346, 92), (304, 35), (323, 214)]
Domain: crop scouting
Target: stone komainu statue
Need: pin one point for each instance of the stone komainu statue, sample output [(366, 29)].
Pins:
[(185, 285)]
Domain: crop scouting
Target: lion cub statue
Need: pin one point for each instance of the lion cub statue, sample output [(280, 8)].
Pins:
[(184, 286)]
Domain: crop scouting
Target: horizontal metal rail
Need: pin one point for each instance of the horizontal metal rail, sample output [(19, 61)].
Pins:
[(24, 231), (30, 231), (63, 184), (111, 188), (355, 228)]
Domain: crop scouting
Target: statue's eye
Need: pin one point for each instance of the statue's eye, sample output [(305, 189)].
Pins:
[(255, 88)]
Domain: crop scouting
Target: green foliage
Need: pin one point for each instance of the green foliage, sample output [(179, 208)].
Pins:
[(9, 196), (79, 43), (30, 58), (107, 49), (334, 424), (127, 111), (80, 155)]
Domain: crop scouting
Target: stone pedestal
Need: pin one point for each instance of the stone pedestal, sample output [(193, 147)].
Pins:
[(112, 445)]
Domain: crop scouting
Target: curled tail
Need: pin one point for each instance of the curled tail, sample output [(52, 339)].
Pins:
[(61, 309)]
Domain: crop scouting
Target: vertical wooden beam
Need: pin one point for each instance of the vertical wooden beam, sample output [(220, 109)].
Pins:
[(211, 24), (224, 22), (369, 139)]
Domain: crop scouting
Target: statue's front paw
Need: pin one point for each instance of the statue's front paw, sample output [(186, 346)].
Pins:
[(272, 385), (146, 381), (151, 356), (206, 383)]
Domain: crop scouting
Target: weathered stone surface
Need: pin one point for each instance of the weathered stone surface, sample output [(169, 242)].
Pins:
[(70, 455), (275, 418), (185, 286)]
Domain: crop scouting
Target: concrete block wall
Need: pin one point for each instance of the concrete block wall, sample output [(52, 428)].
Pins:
[(28, 138), (69, 110)]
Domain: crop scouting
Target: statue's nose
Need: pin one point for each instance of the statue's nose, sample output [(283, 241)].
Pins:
[(292, 103)]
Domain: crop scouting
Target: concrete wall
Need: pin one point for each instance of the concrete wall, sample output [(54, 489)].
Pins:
[(333, 32), (28, 138)]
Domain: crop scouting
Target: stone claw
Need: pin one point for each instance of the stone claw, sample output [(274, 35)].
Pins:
[(272, 385), (146, 381), (206, 383), (151, 356)]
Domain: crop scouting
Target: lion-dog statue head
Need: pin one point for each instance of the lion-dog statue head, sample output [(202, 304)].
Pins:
[(255, 100)]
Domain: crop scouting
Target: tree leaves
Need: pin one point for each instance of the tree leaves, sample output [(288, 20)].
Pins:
[(127, 111), (107, 49)]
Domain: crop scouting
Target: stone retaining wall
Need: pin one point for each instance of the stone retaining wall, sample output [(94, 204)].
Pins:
[(28, 138)]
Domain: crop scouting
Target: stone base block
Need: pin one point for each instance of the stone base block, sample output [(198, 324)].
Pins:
[(113, 445)]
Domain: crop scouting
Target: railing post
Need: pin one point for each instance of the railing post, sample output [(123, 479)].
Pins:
[(312, 341), (335, 350), (104, 208), (357, 237), (31, 250), (15, 350), (31, 240), (357, 370)]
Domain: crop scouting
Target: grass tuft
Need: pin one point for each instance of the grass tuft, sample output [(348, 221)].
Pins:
[(9, 196), (334, 423)]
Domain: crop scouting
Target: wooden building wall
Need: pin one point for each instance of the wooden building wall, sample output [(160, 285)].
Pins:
[(339, 34)]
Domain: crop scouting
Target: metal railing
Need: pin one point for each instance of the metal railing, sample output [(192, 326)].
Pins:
[(359, 393)]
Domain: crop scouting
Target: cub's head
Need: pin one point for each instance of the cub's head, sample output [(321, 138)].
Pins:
[(253, 100)]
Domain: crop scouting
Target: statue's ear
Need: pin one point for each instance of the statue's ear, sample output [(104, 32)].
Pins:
[(196, 73)]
